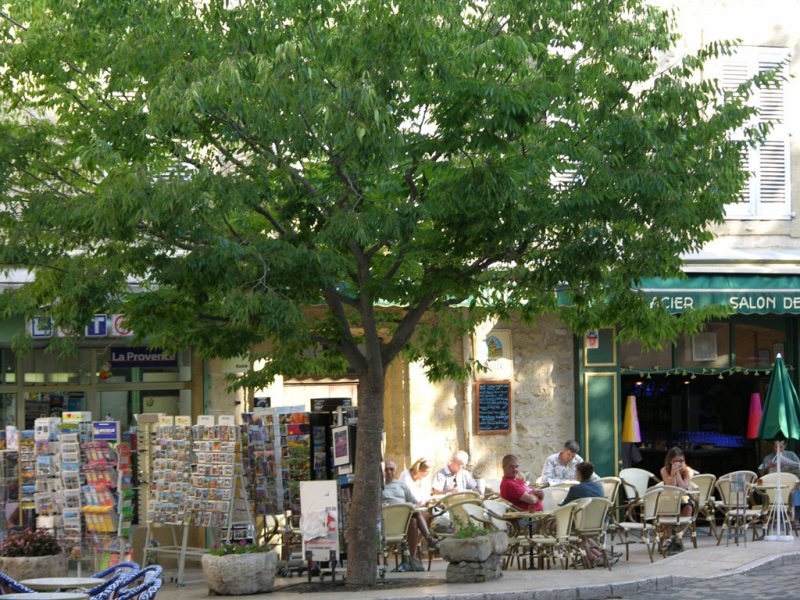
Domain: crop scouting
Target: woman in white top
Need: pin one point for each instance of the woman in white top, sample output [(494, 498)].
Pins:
[(416, 478)]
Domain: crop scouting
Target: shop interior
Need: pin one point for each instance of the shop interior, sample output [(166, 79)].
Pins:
[(696, 394)]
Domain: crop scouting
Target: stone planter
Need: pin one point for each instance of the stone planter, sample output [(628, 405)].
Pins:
[(30, 567), (473, 560), (240, 574)]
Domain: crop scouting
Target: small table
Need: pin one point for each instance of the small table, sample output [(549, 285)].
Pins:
[(54, 584), (46, 596)]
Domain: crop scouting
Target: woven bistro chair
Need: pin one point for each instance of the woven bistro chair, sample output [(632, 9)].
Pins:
[(591, 523), (643, 527), (706, 507), (396, 518), (635, 482)]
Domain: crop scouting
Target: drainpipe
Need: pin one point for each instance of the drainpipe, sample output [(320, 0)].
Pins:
[(468, 352)]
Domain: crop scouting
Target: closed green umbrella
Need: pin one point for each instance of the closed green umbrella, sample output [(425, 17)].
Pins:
[(780, 421), (781, 417)]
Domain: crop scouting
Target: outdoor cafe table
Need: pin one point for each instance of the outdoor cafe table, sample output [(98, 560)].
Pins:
[(46, 596), (535, 520), (53, 584)]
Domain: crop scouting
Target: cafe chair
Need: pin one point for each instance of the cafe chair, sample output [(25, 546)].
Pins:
[(9, 585), (130, 586), (643, 527), (553, 497), (547, 548), (737, 514), (767, 486), (591, 526), (668, 514), (706, 507), (396, 518), (635, 483), (112, 573)]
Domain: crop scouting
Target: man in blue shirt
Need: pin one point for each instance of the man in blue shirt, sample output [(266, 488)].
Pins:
[(586, 488)]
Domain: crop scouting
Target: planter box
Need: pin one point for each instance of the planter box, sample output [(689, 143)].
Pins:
[(474, 560), (30, 567), (240, 574)]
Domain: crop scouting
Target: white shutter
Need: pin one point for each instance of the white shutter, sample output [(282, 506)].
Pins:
[(768, 194)]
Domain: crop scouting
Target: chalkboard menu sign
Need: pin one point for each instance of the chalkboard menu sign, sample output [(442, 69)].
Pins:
[(492, 407)]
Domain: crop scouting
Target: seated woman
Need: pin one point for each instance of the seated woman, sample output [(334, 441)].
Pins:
[(416, 478), (677, 473)]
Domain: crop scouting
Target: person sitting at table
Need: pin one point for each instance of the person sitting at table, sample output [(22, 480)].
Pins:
[(454, 477), (677, 473), (560, 467), (395, 492), (586, 487), (790, 463), (416, 478), (516, 490)]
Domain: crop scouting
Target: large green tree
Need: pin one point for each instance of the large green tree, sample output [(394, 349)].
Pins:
[(380, 161)]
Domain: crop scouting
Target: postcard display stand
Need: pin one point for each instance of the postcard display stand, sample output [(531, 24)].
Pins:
[(196, 479)]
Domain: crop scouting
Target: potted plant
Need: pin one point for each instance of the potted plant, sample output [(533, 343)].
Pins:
[(32, 553), (239, 568), (474, 554)]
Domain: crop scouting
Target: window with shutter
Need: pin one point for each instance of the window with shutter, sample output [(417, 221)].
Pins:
[(767, 195)]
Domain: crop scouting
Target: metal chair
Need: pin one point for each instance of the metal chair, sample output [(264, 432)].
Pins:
[(591, 523), (734, 504), (116, 571), (635, 483), (9, 585), (396, 518), (131, 585), (669, 514), (644, 526), (706, 507), (547, 547)]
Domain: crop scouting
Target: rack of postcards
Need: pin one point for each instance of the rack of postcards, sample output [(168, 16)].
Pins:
[(9, 490), (259, 435), (47, 481), (218, 497), (70, 435), (169, 474), (27, 478), (126, 492), (147, 425)]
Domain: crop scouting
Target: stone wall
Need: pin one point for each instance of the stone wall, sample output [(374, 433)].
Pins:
[(542, 405)]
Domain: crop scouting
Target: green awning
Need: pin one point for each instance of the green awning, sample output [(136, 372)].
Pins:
[(745, 294)]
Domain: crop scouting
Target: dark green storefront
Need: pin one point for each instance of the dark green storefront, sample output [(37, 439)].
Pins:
[(730, 361)]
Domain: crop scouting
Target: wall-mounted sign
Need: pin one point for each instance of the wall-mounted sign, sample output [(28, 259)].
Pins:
[(105, 430), (41, 327), (141, 356), (118, 327), (592, 339)]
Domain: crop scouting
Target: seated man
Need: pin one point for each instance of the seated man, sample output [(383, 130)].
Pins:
[(560, 467), (586, 488), (395, 492), (516, 490), (454, 477)]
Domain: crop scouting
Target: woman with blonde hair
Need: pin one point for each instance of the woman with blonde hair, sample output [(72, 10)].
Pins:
[(416, 478)]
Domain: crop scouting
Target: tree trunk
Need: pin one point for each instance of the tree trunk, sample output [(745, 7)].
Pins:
[(362, 527)]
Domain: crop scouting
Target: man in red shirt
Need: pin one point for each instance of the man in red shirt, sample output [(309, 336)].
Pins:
[(516, 490)]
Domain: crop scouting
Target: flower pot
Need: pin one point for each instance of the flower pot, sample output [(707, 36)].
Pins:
[(30, 567), (240, 574), (474, 560)]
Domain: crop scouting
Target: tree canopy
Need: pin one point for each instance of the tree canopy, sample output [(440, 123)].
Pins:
[(381, 162)]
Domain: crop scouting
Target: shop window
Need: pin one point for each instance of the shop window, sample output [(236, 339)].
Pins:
[(757, 345), (632, 356), (707, 349), (8, 409), (41, 366), (51, 404), (8, 367)]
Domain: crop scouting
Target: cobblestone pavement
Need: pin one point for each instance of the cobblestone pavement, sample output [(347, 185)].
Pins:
[(771, 582)]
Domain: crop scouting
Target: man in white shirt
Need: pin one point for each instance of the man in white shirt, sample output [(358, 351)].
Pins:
[(454, 477), (560, 467)]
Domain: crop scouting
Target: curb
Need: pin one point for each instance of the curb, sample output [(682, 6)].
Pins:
[(610, 590)]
